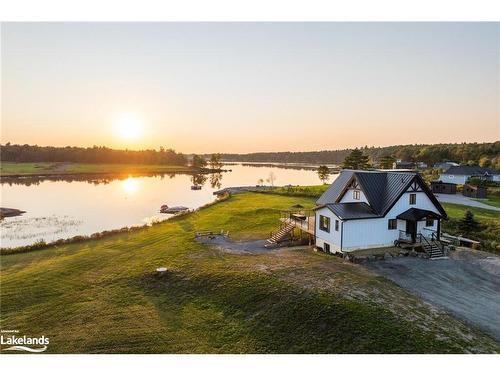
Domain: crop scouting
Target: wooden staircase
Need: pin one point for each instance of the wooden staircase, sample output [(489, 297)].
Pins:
[(281, 234), (433, 248)]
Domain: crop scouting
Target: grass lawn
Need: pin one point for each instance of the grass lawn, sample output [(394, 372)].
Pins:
[(492, 201), (9, 169), (313, 191), (457, 211), (488, 233), (103, 296)]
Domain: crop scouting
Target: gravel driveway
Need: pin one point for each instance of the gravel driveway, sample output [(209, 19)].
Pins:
[(467, 284), (460, 199)]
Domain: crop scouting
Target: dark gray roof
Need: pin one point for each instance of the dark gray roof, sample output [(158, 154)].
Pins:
[(333, 192), (381, 188), (354, 210), (416, 214), (470, 170)]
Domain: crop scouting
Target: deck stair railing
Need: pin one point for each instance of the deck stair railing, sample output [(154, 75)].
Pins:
[(432, 247), (289, 220), (281, 234), (303, 219), (430, 243)]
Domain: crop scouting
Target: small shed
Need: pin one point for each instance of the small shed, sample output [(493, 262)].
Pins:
[(440, 187), (474, 191)]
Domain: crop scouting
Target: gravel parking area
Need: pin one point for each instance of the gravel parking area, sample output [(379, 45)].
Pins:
[(467, 284)]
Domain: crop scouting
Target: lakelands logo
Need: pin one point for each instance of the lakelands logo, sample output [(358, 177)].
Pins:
[(12, 342)]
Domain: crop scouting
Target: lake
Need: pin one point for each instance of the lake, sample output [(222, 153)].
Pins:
[(86, 205)]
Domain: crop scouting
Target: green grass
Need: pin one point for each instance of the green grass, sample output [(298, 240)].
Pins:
[(492, 201), (102, 296), (313, 191), (489, 231), (457, 211), (9, 169)]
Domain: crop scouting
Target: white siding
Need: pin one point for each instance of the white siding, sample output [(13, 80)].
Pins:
[(348, 196), (368, 233), (333, 237), (454, 179)]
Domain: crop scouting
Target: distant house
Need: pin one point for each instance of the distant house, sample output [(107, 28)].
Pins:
[(440, 187), (474, 191), (400, 164), (370, 209), (462, 173), (445, 165)]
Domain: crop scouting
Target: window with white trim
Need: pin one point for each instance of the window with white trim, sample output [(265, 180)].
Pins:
[(356, 194), (324, 223), (392, 224), (413, 198)]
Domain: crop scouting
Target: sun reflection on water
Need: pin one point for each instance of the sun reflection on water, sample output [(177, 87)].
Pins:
[(130, 185)]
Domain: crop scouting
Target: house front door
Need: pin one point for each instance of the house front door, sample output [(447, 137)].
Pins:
[(411, 229)]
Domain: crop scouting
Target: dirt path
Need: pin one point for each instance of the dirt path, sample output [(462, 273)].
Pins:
[(227, 245), (467, 284), (466, 201)]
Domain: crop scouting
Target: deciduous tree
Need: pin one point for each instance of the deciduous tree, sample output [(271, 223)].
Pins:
[(323, 173)]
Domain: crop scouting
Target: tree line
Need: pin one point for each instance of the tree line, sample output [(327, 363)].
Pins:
[(485, 154), (96, 154)]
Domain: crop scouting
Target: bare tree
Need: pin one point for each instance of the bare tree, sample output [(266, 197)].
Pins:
[(271, 178)]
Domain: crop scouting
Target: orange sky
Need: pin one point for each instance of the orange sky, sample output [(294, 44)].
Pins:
[(249, 87)]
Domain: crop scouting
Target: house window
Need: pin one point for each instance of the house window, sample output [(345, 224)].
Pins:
[(324, 223), (413, 198), (429, 222), (392, 224), (356, 194), (336, 225), (326, 247)]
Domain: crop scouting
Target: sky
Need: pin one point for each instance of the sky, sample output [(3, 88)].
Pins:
[(249, 87)]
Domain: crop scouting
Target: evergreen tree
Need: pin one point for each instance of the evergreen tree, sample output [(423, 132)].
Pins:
[(386, 161), (356, 160), (468, 224), (323, 173)]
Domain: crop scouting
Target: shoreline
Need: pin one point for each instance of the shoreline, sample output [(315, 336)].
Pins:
[(42, 245), (13, 170)]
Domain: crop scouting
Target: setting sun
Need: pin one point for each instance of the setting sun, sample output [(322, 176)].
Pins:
[(129, 126), (130, 185)]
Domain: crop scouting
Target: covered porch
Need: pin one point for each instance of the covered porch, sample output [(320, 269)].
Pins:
[(418, 223)]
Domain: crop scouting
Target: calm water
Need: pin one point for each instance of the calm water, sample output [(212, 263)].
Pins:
[(62, 209)]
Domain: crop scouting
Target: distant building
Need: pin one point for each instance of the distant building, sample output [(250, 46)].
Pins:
[(400, 164), (474, 191), (440, 187), (462, 173), (445, 165), (421, 165)]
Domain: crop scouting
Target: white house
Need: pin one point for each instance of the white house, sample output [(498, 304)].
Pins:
[(370, 209), (460, 174)]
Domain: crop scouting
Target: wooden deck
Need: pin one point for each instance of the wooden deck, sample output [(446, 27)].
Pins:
[(303, 220)]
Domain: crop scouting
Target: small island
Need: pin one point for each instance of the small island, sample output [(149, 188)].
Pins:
[(9, 212)]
